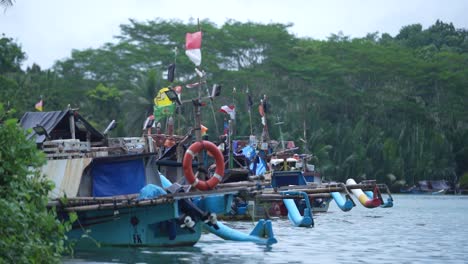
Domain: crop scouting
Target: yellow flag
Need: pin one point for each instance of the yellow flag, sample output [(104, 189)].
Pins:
[(161, 98)]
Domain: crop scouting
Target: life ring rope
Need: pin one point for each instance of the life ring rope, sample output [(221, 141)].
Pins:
[(192, 179)]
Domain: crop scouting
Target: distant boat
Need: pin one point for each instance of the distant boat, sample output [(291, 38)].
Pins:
[(428, 187)]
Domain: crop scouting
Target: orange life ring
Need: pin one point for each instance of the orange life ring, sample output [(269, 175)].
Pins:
[(191, 152)]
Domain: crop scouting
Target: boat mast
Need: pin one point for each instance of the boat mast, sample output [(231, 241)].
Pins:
[(265, 135), (197, 103), (281, 131)]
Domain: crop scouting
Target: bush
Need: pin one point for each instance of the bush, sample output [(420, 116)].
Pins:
[(29, 232), (464, 181)]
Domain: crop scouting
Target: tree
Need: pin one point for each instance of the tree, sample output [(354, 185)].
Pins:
[(138, 101), (6, 3), (29, 232), (11, 55), (104, 105), (388, 105)]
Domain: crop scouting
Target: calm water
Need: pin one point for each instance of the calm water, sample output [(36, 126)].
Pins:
[(418, 229)]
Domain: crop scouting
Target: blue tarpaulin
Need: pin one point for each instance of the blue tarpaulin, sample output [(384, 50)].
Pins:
[(249, 152), (258, 168), (151, 191), (117, 178)]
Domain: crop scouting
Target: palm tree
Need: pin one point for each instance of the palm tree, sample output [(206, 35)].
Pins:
[(138, 101)]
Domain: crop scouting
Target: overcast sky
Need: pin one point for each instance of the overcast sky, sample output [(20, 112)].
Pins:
[(48, 30)]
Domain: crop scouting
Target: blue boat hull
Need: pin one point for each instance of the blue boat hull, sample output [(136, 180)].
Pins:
[(154, 225)]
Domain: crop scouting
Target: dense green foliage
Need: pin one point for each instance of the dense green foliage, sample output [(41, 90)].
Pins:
[(29, 233), (464, 181), (378, 107)]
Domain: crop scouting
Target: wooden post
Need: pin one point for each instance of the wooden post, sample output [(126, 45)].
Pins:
[(71, 120)]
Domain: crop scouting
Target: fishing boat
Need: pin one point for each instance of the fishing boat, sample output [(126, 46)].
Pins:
[(277, 171), (294, 171), (101, 179), (152, 190), (115, 187), (294, 189), (138, 191)]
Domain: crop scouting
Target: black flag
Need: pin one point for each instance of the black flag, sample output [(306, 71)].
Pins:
[(171, 72)]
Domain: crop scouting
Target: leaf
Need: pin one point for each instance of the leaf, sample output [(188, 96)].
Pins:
[(72, 217)]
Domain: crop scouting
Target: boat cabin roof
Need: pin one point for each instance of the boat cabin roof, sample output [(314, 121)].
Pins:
[(57, 126)]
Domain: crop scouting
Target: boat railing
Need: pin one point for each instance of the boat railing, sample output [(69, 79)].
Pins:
[(75, 204), (66, 148), (74, 148)]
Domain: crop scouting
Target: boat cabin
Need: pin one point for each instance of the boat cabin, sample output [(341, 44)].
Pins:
[(84, 162)]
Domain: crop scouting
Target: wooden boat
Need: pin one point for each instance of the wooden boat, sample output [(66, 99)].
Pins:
[(293, 170), (283, 173), (102, 180)]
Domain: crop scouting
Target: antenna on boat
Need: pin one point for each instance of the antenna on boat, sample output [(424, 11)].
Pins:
[(112, 125)]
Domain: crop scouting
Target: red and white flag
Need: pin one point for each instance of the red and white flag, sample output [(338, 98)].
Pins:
[(193, 47), (230, 110)]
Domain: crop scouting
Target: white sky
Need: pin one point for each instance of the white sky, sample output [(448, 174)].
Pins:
[(48, 30)]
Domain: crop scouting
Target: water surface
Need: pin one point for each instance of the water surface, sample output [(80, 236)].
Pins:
[(418, 229)]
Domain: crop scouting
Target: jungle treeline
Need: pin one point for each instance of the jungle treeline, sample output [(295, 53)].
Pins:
[(390, 108)]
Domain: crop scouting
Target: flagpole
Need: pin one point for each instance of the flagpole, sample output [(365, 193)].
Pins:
[(197, 104), (199, 88), (178, 113)]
